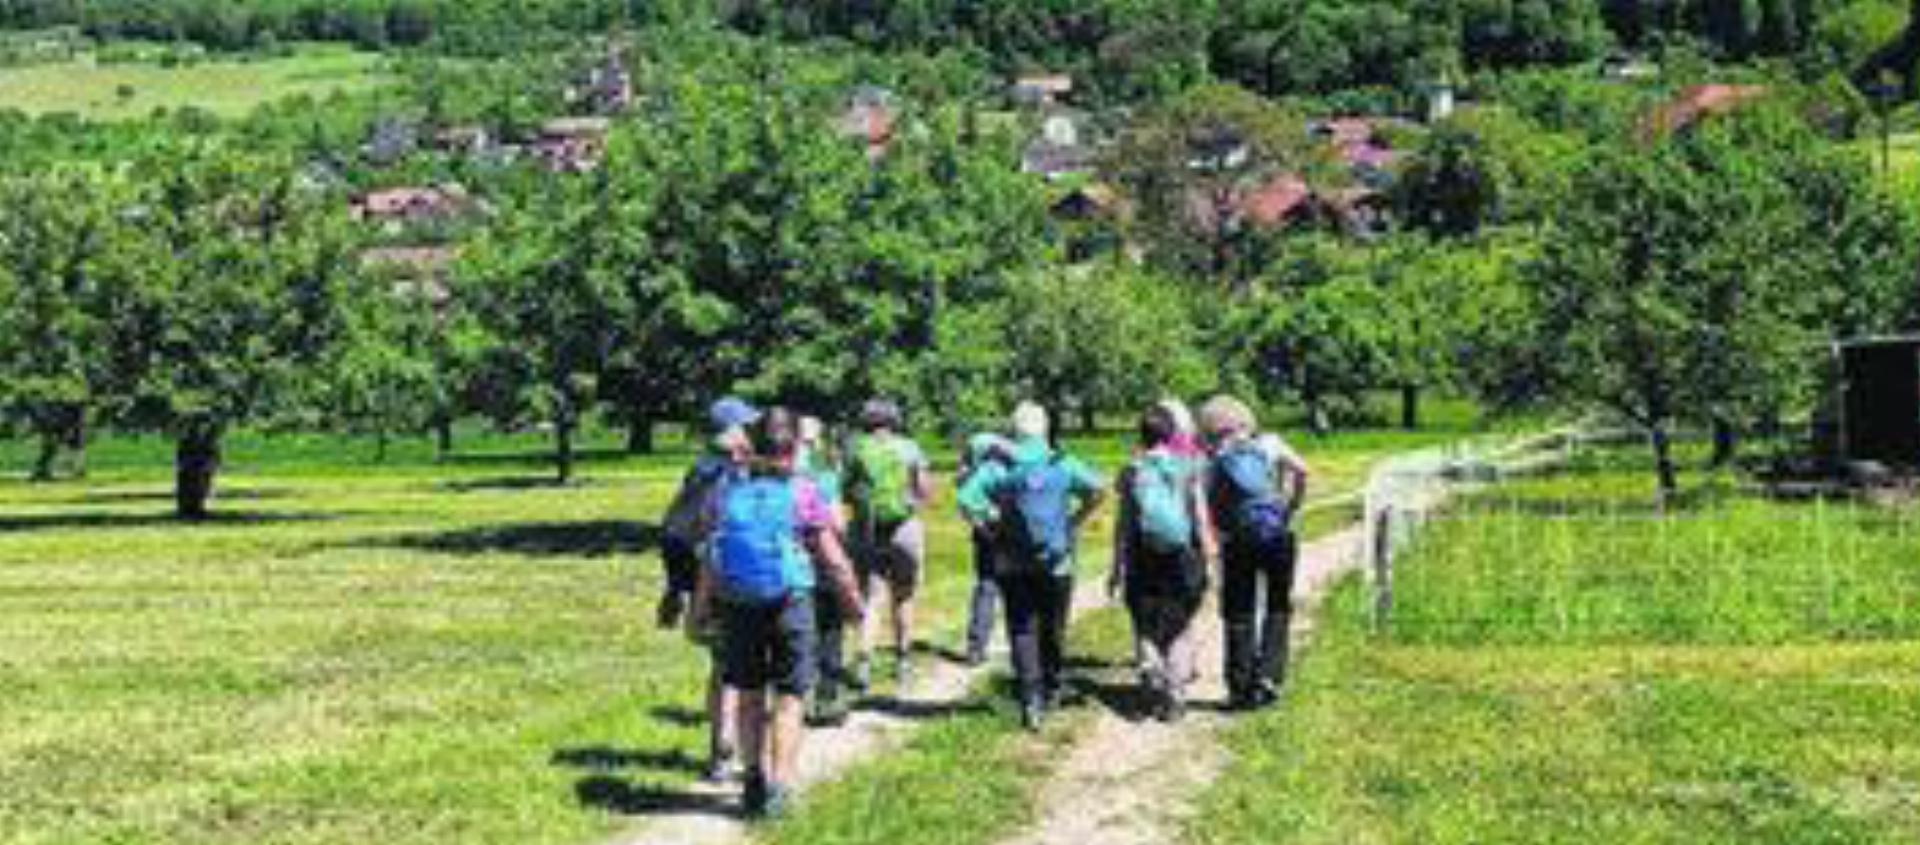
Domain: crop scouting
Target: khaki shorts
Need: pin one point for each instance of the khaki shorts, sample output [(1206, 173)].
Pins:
[(894, 553)]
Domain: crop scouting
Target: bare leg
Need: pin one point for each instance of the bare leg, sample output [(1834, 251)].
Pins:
[(753, 728), (722, 736), (787, 733)]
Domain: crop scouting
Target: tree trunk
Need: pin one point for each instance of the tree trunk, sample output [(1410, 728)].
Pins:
[(49, 452), (77, 446), (1089, 418), (640, 435), (1663, 465), (563, 446), (443, 438), (1726, 443), (1410, 407), (196, 460), (380, 439)]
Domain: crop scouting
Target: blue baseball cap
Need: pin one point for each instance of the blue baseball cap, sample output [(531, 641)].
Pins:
[(731, 412)]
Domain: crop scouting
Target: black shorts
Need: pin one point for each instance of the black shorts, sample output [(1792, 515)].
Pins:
[(771, 645)]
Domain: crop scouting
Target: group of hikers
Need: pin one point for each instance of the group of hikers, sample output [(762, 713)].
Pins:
[(781, 538)]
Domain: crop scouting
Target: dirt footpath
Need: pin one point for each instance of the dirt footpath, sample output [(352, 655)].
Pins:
[(1134, 783), (708, 815)]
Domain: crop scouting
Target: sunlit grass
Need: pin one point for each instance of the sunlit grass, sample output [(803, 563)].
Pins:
[(227, 87), (1565, 663)]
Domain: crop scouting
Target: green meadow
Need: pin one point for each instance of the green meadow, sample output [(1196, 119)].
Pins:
[(1565, 664), (416, 651), (230, 87)]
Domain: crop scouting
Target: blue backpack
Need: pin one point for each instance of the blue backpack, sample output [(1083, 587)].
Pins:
[(757, 557), (1036, 503), (1246, 495), (1162, 503)]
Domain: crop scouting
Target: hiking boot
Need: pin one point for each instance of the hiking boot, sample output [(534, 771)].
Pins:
[(902, 670), (1032, 714), (720, 769), (861, 679), (976, 657), (1265, 695), (778, 800), (755, 795), (1172, 709)]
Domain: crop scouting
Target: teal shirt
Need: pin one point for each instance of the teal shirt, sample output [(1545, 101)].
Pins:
[(976, 495)]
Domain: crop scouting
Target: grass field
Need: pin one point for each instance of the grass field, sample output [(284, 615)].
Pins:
[(1565, 665), (227, 87), (409, 652)]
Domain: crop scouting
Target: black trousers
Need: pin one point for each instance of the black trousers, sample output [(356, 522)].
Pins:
[(986, 596), (831, 625), (1037, 610), (1256, 603)]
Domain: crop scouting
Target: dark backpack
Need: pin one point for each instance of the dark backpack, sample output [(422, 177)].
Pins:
[(1036, 518), (683, 520), (1247, 497), (757, 555)]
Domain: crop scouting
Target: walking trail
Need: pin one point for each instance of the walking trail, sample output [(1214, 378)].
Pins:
[(708, 815), (1134, 783)]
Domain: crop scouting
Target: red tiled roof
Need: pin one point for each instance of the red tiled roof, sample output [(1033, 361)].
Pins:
[(1695, 104)]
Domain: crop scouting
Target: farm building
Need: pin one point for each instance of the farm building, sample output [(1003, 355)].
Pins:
[(1874, 410)]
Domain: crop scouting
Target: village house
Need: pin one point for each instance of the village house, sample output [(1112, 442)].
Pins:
[(1061, 149), (572, 144), (1040, 90), (870, 119), (1694, 105), (606, 88), (415, 270), (397, 210)]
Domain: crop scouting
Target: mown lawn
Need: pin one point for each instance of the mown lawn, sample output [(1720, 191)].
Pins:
[(227, 87), (1564, 664), (406, 651)]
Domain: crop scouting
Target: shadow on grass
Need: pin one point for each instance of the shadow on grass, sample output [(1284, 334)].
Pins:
[(602, 758), (600, 538), (537, 457), (109, 521), (677, 715), (144, 497), (509, 484), (618, 795)]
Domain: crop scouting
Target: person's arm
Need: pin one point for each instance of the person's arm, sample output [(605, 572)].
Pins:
[(1203, 521), (702, 605), (975, 497), (1123, 535), (921, 483), (1089, 489), (837, 568)]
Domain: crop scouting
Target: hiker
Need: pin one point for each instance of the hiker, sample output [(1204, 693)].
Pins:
[(683, 539), (1164, 543), (980, 450), (887, 484), (1255, 518), (773, 541), (817, 462), (1186, 436), (1033, 506)]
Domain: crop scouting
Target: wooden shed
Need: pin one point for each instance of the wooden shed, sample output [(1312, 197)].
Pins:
[(1875, 412)]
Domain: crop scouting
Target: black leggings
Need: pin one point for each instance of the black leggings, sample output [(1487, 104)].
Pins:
[(1258, 576), (1037, 610)]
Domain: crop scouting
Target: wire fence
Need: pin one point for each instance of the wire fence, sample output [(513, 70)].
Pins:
[(1587, 556)]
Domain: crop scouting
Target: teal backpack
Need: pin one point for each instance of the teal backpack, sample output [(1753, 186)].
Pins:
[(1162, 501)]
